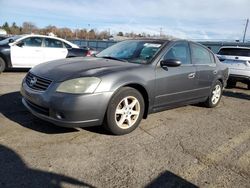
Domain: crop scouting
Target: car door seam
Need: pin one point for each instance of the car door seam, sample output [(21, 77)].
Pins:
[(182, 92)]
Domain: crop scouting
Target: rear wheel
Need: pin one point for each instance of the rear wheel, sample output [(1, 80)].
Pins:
[(125, 111), (2, 65), (215, 95)]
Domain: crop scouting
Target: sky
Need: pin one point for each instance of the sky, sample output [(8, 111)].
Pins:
[(188, 19)]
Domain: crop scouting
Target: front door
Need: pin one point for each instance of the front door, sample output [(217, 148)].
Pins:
[(27, 52), (175, 84)]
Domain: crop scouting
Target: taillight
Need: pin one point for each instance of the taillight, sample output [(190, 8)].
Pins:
[(88, 53)]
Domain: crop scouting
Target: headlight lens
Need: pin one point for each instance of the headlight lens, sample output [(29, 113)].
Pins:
[(79, 85)]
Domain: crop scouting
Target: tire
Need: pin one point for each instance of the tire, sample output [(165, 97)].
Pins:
[(121, 118), (2, 65), (215, 95)]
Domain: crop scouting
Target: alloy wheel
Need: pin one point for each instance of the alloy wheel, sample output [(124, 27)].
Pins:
[(127, 112), (216, 94)]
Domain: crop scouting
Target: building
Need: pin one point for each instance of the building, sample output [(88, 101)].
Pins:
[(3, 32)]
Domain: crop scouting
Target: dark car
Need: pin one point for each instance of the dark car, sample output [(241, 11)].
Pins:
[(2, 37), (124, 83), (27, 51)]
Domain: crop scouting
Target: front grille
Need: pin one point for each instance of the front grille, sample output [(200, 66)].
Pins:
[(36, 82), (37, 108)]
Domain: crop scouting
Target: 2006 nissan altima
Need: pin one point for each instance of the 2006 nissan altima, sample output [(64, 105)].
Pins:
[(124, 83)]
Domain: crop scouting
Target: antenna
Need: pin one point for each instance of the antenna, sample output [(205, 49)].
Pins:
[(245, 31)]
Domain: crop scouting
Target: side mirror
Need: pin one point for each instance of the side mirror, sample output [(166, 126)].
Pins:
[(170, 63), (20, 44)]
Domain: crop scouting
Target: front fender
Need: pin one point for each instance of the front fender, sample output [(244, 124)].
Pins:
[(112, 82)]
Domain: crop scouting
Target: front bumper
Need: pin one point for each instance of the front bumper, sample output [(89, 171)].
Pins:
[(67, 110)]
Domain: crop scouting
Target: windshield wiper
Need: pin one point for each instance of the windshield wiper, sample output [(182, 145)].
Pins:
[(114, 58)]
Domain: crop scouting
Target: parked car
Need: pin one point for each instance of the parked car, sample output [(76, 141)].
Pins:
[(91, 51), (124, 83), (2, 37), (26, 51), (238, 61)]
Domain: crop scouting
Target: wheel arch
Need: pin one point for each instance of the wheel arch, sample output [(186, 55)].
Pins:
[(221, 80), (6, 60), (144, 94)]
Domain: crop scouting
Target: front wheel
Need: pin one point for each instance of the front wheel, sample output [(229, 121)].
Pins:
[(125, 111), (2, 65), (215, 95)]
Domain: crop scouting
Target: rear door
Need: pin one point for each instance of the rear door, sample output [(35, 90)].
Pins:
[(54, 49), (206, 70), (27, 52), (176, 84)]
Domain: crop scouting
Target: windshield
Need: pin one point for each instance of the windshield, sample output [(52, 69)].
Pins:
[(235, 52), (6, 41), (132, 51)]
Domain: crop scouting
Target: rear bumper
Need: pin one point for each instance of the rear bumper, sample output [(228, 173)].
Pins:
[(242, 78), (239, 72)]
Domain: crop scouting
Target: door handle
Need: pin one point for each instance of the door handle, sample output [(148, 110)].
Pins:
[(191, 75), (215, 72)]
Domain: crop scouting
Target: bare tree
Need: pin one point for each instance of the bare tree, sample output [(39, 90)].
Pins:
[(29, 27)]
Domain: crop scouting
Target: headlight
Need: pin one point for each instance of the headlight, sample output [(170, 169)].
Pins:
[(79, 85)]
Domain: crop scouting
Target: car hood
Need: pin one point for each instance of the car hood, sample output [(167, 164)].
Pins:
[(65, 69)]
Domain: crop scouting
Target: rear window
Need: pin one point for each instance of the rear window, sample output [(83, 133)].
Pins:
[(235, 52), (53, 43)]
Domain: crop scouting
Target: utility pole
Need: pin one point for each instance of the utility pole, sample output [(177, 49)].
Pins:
[(76, 32), (88, 31), (245, 31), (160, 31), (109, 32)]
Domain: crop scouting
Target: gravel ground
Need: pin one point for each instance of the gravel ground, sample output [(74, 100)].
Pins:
[(191, 146)]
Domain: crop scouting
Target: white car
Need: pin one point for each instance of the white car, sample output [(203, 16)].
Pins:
[(238, 61), (26, 51)]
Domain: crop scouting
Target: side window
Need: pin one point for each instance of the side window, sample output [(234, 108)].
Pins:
[(179, 51), (53, 43), (200, 55), (67, 45), (32, 42)]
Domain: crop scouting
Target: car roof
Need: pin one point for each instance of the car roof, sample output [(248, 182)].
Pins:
[(44, 36), (148, 40), (163, 41), (37, 35), (47, 36)]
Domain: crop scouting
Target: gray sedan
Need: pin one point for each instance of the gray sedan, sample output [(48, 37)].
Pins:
[(124, 83)]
